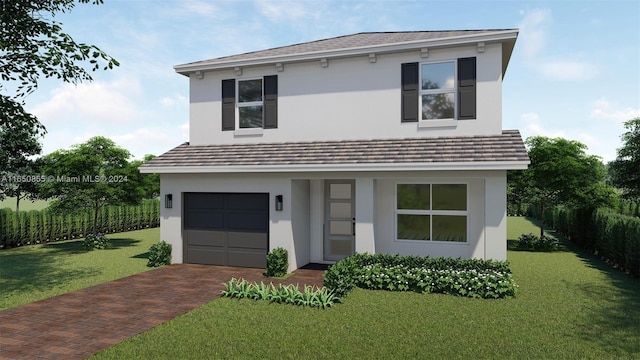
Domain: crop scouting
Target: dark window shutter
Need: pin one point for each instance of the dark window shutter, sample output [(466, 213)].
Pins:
[(270, 102), (228, 104), (467, 88), (410, 92)]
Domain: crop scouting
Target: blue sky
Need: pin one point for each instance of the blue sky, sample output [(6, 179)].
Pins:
[(575, 71)]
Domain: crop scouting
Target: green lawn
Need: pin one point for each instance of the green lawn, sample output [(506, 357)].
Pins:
[(25, 205), (569, 305), (36, 272)]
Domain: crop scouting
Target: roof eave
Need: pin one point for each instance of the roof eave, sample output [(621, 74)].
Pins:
[(441, 166), (497, 36)]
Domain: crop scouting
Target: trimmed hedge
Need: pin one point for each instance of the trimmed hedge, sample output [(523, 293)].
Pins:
[(462, 277), (610, 235), (41, 226)]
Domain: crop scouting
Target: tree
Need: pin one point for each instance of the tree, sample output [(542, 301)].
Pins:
[(89, 176), (150, 183), (33, 45), (20, 135), (624, 171), (562, 173)]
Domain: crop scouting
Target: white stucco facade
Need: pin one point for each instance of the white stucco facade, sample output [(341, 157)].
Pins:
[(299, 226), (347, 94), (351, 98)]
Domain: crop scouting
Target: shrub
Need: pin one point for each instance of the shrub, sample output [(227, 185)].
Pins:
[(463, 277), (159, 254), (321, 298), (277, 262), (95, 241), (535, 243)]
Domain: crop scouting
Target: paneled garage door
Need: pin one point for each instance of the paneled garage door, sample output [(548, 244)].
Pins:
[(226, 229)]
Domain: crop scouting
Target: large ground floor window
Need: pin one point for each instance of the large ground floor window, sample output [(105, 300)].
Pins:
[(431, 212)]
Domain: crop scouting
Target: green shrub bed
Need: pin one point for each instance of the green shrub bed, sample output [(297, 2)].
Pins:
[(285, 294), (487, 279), (159, 254)]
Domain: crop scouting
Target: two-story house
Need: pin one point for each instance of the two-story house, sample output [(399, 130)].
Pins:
[(386, 142)]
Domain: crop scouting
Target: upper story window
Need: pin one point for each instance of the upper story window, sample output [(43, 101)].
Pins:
[(250, 103), (439, 91)]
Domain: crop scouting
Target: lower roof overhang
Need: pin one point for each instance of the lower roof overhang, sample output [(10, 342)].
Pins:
[(512, 165)]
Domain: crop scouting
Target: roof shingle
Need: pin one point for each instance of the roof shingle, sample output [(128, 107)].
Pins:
[(364, 39), (507, 147)]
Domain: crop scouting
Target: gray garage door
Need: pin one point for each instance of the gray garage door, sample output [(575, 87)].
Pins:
[(226, 229)]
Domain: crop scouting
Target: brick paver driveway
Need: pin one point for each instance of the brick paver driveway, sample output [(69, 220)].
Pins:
[(83, 322)]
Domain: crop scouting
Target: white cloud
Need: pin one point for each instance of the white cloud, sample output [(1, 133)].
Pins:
[(533, 32), (175, 100), (95, 102), (567, 70), (202, 8), (535, 126), (603, 109), (281, 9)]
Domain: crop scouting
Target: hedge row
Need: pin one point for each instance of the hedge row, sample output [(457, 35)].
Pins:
[(614, 237), (39, 226)]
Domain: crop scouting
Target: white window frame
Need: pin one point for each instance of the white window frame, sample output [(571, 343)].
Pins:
[(242, 130), (429, 212), (454, 91)]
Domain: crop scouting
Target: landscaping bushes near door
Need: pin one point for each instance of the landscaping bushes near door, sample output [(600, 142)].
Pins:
[(277, 262), (285, 294), (461, 277)]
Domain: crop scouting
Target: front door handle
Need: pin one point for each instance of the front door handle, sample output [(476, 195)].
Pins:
[(354, 226)]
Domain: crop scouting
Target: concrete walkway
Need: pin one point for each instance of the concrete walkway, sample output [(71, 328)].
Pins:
[(83, 322)]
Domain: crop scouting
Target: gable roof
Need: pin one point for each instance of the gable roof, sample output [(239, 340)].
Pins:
[(488, 152), (357, 44)]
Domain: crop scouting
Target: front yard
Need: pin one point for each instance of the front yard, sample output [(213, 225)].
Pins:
[(37, 272), (569, 305)]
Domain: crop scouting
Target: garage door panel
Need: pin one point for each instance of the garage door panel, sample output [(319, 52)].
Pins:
[(248, 202), (247, 221), (204, 219), (248, 240), (206, 238), (204, 201), (247, 258), (206, 255)]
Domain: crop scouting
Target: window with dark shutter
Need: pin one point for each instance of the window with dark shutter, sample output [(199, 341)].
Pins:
[(467, 88), (410, 92), (228, 104), (271, 102)]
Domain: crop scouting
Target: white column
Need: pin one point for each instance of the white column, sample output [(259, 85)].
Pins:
[(365, 215), (495, 210)]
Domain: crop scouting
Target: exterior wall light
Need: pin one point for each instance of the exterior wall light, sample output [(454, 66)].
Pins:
[(278, 202), (168, 201)]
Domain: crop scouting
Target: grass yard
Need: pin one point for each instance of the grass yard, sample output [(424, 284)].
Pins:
[(569, 305), (25, 205), (36, 272)]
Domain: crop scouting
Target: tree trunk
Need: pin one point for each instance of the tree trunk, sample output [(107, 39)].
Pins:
[(18, 202), (541, 218), (95, 217)]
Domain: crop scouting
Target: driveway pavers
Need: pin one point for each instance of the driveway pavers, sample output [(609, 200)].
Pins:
[(78, 324)]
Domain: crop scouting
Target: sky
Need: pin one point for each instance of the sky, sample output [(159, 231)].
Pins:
[(574, 73)]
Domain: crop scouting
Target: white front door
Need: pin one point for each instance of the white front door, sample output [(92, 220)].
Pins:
[(340, 221)]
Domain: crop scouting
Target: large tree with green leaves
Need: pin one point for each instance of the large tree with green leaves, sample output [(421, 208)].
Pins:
[(33, 45), (624, 171), (89, 176), (561, 173)]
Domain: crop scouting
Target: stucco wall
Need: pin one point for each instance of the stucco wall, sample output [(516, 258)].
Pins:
[(350, 99), (298, 228)]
